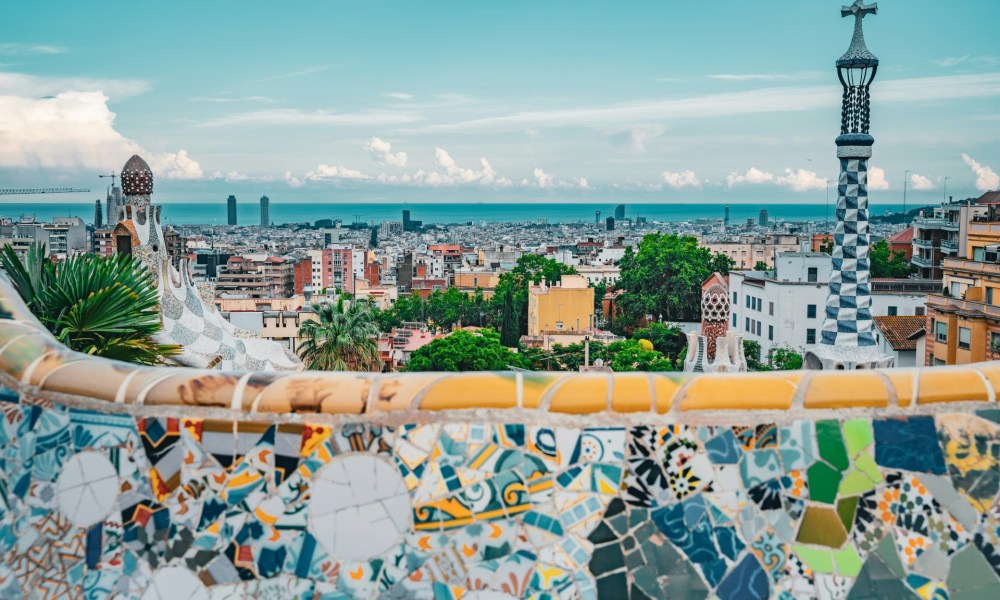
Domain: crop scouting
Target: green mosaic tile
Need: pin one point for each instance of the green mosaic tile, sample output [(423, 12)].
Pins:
[(831, 444), (823, 483), (886, 551), (866, 464), (848, 562), (819, 560), (855, 482), (846, 508), (859, 435), (971, 577), (822, 526), (876, 581)]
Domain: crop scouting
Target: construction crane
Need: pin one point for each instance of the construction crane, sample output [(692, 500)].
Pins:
[(112, 176), (12, 191)]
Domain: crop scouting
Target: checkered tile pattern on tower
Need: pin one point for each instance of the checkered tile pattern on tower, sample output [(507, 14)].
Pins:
[(848, 307)]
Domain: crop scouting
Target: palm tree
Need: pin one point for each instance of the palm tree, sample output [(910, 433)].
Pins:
[(342, 338), (105, 306)]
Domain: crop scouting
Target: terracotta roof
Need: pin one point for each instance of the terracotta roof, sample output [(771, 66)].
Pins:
[(989, 198), (903, 237), (899, 330)]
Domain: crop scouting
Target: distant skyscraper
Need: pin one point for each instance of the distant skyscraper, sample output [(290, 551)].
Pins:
[(231, 205), (98, 215), (725, 220), (609, 223), (406, 219), (620, 212), (597, 218), (762, 218), (113, 203), (265, 211)]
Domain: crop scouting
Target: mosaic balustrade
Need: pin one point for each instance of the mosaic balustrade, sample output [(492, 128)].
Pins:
[(126, 482)]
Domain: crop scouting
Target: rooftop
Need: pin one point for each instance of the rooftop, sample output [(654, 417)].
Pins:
[(901, 331)]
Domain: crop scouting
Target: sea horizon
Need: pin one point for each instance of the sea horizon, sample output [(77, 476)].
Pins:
[(200, 213)]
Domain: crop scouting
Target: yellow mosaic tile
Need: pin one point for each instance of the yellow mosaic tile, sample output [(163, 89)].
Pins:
[(950, 385), (582, 394), (55, 359), (316, 392), (846, 390), (666, 388), (744, 391), (194, 388), (534, 386), (631, 393), (19, 353), (398, 391), (472, 390), (90, 377), (991, 371), (903, 381)]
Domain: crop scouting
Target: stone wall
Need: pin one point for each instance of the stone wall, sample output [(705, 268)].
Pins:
[(169, 483)]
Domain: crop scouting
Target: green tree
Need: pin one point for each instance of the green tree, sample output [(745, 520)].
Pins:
[(664, 277), (761, 266), (600, 288), (530, 269), (344, 337), (105, 306), (667, 339), (629, 355), (827, 246), (886, 263), (465, 351), (783, 358), (510, 322), (751, 349)]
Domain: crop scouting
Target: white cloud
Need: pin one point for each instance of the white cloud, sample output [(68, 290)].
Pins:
[(920, 183), (986, 178), (877, 180), (642, 134), (75, 130), (542, 179), (381, 151), (289, 116), (32, 86), (582, 183), (293, 181), (29, 49), (226, 100), (334, 172), (175, 165), (231, 176), (456, 175), (766, 76), (398, 95), (799, 181), (764, 100), (982, 60), (681, 179), (951, 61)]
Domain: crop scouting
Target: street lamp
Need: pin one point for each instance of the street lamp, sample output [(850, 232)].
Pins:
[(906, 176), (945, 196)]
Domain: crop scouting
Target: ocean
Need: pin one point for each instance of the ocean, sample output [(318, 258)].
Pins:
[(374, 213)]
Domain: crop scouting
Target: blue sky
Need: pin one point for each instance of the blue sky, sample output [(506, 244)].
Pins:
[(723, 101)]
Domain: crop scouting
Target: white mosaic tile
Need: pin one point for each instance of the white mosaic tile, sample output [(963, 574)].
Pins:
[(87, 488), (175, 583)]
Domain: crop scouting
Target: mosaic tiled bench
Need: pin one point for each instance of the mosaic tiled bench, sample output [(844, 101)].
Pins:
[(117, 481)]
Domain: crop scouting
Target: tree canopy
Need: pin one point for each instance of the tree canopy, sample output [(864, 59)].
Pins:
[(465, 351), (886, 263), (663, 278)]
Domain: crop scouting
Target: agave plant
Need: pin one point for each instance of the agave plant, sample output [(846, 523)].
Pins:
[(342, 338), (105, 306)]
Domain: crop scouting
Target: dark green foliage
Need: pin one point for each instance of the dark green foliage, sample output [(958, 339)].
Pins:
[(667, 339), (466, 351), (105, 306), (751, 350), (624, 355), (761, 266), (885, 263), (343, 337), (663, 278)]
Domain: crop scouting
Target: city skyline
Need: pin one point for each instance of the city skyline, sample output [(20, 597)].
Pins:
[(649, 103)]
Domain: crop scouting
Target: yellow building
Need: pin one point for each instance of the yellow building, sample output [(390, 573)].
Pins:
[(566, 307), (469, 280)]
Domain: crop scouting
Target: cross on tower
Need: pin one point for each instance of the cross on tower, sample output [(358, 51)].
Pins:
[(859, 10)]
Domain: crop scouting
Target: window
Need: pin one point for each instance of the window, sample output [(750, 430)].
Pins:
[(746, 325), (770, 308), (994, 342), (812, 275), (979, 254), (964, 338), (941, 332), (734, 299), (559, 324), (989, 295), (938, 362), (758, 327), (893, 311), (811, 311), (919, 311), (734, 320), (810, 336), (748, 301), (770, 332)]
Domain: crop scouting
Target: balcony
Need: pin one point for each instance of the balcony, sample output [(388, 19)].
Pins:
[(366, 483), (949, 246), (925, 244), (971, 266), (930, 223), (922, 262)]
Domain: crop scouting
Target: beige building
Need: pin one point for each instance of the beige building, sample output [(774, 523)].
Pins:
[(566, 307), (468, 280), (751, 249)]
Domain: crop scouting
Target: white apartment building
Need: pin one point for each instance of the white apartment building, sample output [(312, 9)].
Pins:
[(785, 307), (595, 274)]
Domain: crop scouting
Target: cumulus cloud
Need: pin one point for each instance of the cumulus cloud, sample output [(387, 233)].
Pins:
[(542, 179), (231, 176), (877, 180), (381, 151), (582, 183), (334, 172), (35, 87), (29, 49), (293, 181), (398, 95), (457, 175), (986, 178), (920, 183), (800, 180), (681, 179), (75, 130)]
